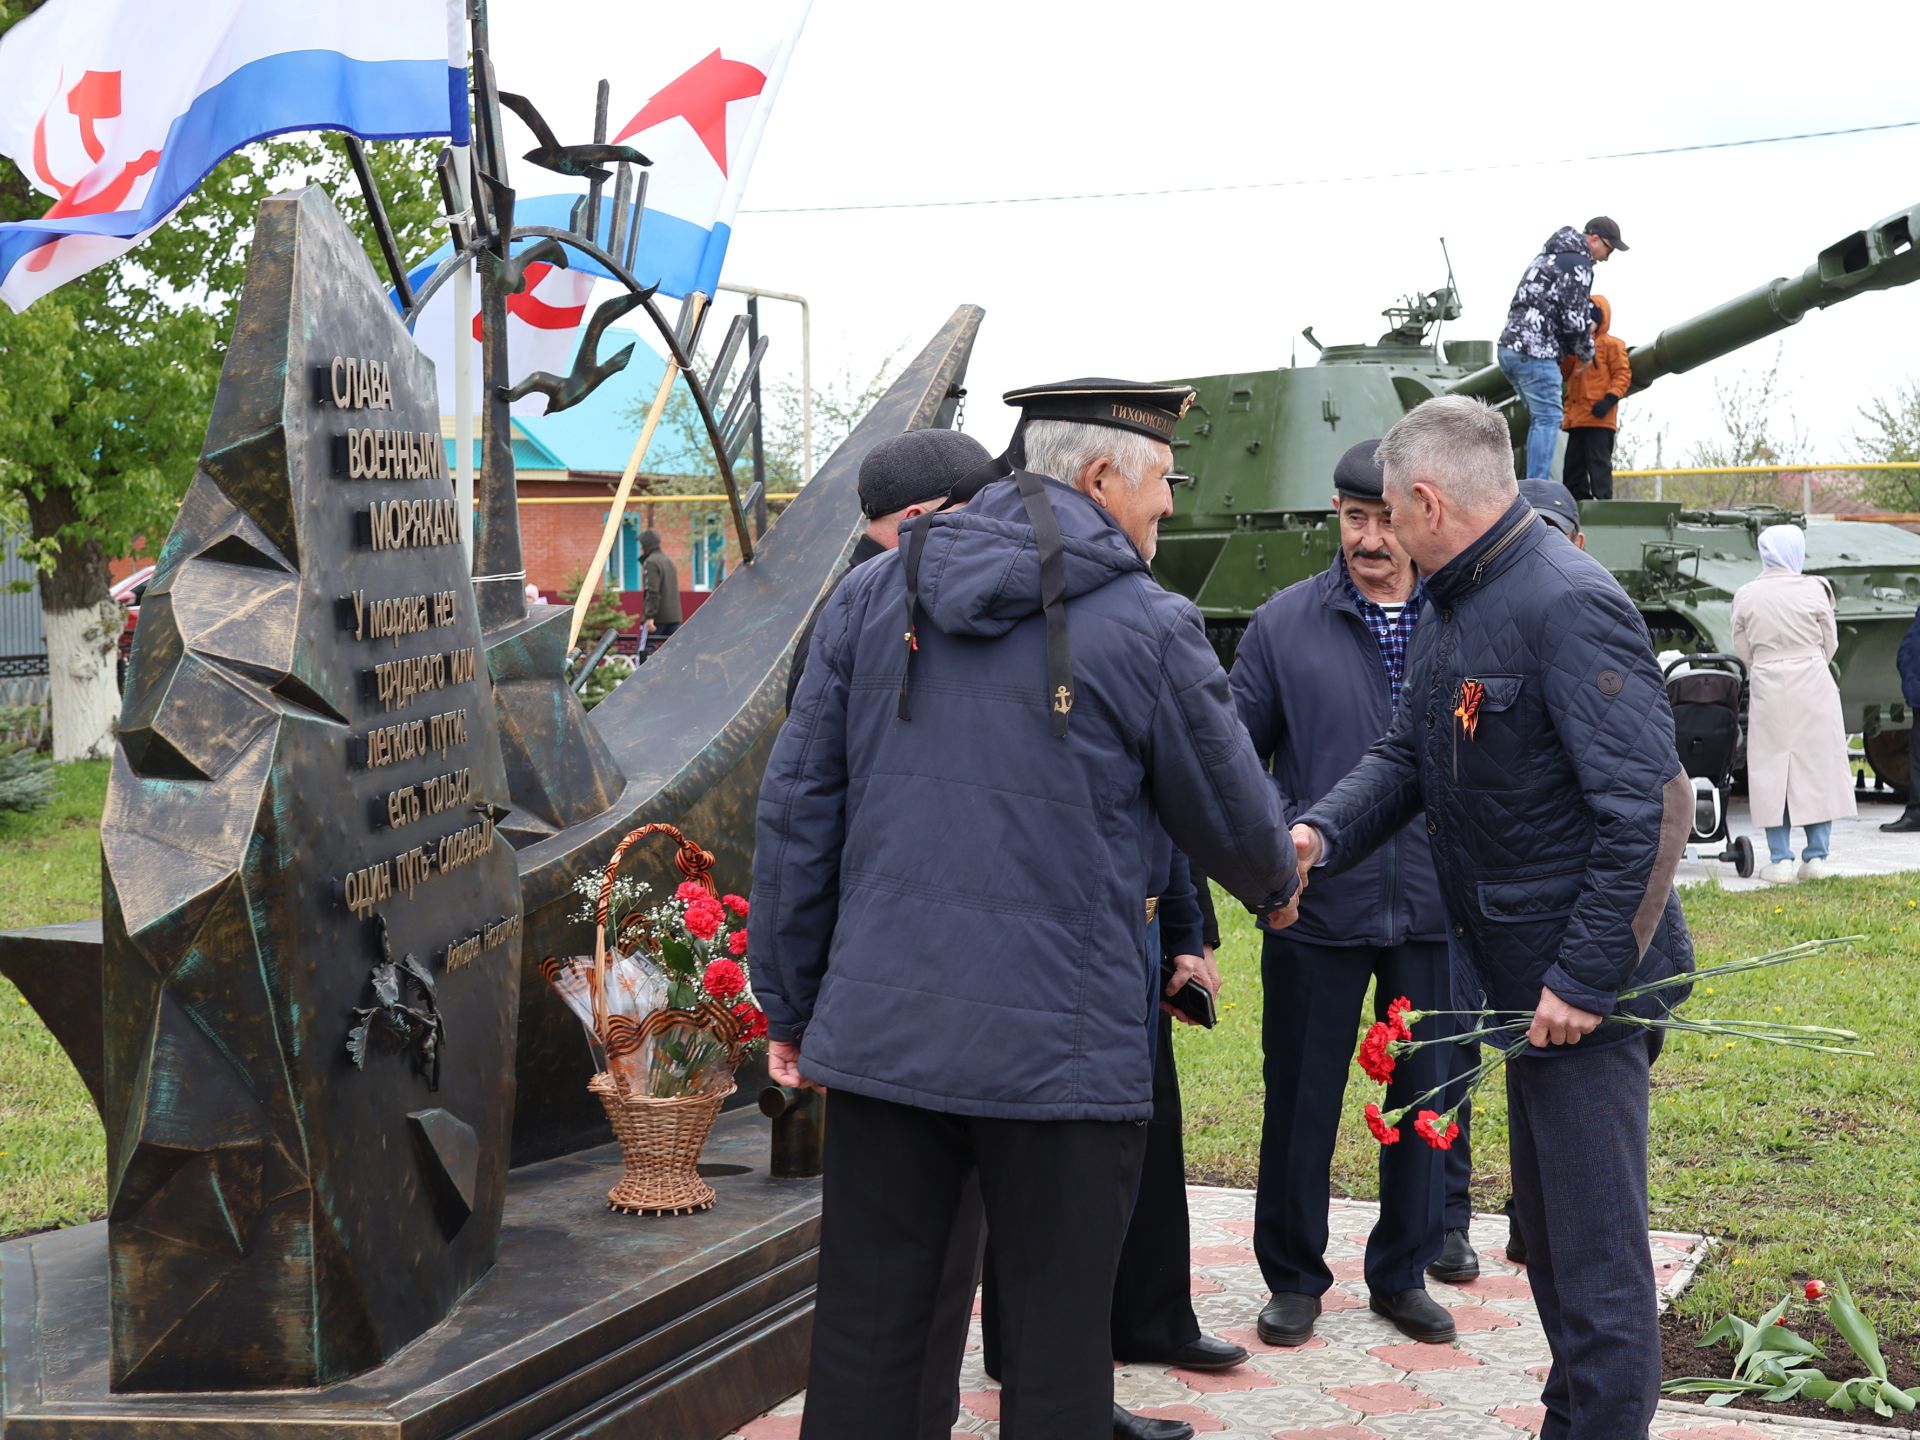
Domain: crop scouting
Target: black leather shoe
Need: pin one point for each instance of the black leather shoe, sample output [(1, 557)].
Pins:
[(1456, 1260), (1516, 1242), (1287, 1319), (1417, 1315), (1128, 1426), (1908, 822), (1208, 1352)]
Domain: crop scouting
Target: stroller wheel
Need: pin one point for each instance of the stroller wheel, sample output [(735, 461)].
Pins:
[(1742, 856)]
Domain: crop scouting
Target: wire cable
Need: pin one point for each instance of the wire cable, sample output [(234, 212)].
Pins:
[(1333, 179)]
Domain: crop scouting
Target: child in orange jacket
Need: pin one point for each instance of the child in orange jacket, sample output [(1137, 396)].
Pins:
[(1592, 416)]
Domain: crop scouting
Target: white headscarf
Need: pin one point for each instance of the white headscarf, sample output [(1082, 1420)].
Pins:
[(1783, 547)]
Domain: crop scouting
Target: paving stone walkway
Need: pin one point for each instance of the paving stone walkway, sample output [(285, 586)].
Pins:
[(1359, 1378)]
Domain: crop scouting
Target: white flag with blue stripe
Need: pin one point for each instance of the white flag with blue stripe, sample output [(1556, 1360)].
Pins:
[(119, 108)]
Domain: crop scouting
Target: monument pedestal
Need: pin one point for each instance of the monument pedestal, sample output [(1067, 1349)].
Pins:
[(588, 1324)]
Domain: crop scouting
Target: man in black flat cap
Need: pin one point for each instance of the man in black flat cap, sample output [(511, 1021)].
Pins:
[(957, 838), (1317, 679), (901, 478)]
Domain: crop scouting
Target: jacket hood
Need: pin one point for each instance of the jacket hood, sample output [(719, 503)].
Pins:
[(1565, 241), (1605, 307), (980, 574)]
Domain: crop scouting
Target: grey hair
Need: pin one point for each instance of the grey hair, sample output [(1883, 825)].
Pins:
[(1458, 445), (1065, 448)]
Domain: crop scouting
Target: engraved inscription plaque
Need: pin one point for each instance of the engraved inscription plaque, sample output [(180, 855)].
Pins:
[(312, 928)]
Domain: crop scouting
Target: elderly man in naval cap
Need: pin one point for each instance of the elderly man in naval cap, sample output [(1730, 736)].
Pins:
[(957, 836)]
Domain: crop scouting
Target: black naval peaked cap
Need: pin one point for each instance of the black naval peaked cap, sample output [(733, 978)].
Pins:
[(1143, 407), (1358, 474)]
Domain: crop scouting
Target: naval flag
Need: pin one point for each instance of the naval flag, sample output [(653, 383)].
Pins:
[(118, 108), (696, 108)]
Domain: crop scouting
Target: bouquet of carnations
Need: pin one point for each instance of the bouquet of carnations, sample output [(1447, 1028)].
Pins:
[(1504, 1032), (676, 1013)]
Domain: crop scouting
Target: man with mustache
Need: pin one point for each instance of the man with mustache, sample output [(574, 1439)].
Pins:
[(1317, 678)]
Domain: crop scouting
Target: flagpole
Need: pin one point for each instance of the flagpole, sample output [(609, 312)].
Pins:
[(590, 582), (463, 378), (459, 37)]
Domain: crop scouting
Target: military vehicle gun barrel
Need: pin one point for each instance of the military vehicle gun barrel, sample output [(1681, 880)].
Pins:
[(1880, 257)]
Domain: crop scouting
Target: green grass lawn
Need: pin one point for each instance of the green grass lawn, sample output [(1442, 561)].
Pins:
[(1806, 1164), (52, 1150)]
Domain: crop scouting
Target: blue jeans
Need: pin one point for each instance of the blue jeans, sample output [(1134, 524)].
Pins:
[(1780, 839), (1538, 383)]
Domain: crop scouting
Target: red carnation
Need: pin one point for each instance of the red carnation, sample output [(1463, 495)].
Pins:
[(690, 891), (1816, 1289), (724, 980), (1397, 1018), (751, 1017), (1427, 1129), (704, 916), (1375, 1057), (736, 903), (737, 943), (1383, 1132)]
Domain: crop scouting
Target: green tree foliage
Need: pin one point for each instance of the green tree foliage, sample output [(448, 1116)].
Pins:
[(603, 612), (1758, 427), (1891, 431), (26, 780), (680, 460), (106, 383)]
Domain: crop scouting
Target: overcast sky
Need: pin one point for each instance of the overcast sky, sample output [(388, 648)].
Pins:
[(893, 102)]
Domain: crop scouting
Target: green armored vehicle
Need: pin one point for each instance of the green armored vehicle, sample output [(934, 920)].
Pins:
[(1262, 447)]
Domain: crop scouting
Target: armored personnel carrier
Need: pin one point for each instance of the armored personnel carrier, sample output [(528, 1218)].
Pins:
[(1262, 447)]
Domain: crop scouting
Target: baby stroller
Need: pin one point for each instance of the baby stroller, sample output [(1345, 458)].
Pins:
[(1707, 694)]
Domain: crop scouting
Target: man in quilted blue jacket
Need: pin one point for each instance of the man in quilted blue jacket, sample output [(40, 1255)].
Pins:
[(1533, 730)]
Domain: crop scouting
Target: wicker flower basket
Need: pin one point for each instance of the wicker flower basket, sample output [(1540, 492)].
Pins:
[(660, 1137), (660, 1141)]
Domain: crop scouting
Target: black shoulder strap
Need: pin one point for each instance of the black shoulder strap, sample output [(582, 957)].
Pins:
[(916, 542), (1053, 596)]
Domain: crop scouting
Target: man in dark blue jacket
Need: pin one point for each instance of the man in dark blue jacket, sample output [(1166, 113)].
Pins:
[(1317, 677), (1533, 730), (957, 832), (1909, 820)]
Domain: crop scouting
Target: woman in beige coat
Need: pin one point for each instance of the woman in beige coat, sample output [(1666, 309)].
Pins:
[(1783, 628)]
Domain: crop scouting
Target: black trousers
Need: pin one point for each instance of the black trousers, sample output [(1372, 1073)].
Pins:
[(1152, 1294), (1313, 996), (1577, 1126), (1056, 1195), (1588, 467), (1152, 1297)]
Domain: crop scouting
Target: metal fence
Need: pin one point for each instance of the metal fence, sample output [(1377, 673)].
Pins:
[(1827, 491), (23, 639)]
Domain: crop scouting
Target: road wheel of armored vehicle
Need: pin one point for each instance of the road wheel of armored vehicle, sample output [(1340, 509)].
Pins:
[(1890, 754)]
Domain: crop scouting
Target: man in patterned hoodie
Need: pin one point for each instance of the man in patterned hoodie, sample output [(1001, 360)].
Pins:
[(1548, 319)]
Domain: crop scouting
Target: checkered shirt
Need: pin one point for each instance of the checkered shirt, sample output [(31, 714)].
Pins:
[(1394, 634)]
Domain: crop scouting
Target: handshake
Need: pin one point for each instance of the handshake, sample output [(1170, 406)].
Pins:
[(1308, 850)]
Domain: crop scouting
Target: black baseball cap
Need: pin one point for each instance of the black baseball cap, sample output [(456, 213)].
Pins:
[(1554, 503), (1607, 230)]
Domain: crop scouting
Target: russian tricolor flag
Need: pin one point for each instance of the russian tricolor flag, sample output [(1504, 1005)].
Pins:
[(118, 108)]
